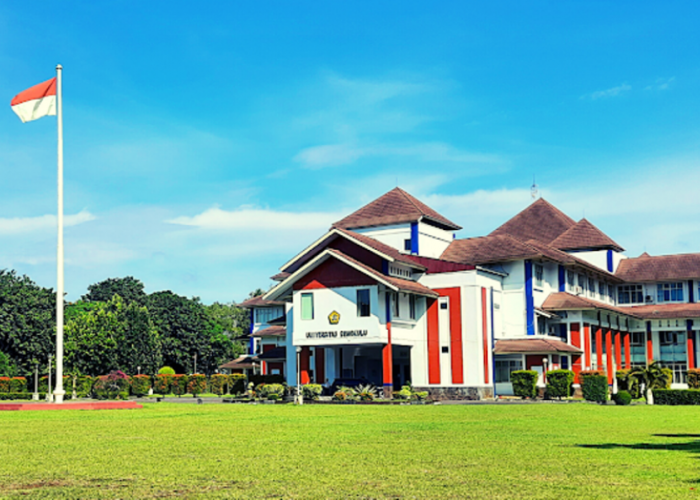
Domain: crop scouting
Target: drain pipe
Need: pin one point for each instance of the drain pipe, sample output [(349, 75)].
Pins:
[(493, 347)]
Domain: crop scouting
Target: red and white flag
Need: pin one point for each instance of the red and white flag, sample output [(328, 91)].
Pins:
[(35, 102)]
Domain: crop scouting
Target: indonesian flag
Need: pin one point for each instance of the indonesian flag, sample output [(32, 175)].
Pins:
[(35, 102)]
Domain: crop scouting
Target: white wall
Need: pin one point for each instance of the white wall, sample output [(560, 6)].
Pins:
[(432, 241), (393, 235), (513, 310)]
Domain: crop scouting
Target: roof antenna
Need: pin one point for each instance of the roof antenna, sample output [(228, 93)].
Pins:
[(534, 192)]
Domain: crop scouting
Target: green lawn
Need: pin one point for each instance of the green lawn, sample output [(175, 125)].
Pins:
[(281, 451)]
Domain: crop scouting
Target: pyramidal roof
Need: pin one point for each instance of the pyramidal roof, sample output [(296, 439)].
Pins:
[(395, 207), (584, 235), (541, 221)]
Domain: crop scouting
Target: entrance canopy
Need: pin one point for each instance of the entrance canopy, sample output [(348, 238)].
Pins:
[(546, 345)]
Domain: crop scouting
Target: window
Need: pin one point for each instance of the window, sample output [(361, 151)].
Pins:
[(602, 289), (267, 314), (363, 309), (582, 282), (539, 275), (669, 292), (412, 306), (307, 306), (570, 279), (591, 287), (504, 367), (611, 293), (672, 349), (638, 350), (407, 245), (396, 304), (630, 294)]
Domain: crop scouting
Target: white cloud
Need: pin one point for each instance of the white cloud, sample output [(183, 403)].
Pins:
[(41, 223), (332, 155), (611, 92), (661, 84), (258, 219)]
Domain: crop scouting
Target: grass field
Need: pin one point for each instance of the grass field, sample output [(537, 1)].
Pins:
[(234, 451)]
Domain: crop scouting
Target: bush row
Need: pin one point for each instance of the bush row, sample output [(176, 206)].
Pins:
[(676, 396), (14, 384), (8, 396)]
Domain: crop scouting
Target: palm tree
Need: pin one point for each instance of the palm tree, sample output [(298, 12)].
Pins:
[(653, 377)]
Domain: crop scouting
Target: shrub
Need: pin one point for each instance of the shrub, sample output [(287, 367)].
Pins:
[(140, 385), (178, 384), (559, 383), (625, 382), (669, 378), (166, 370), (5, 384), (594, 385), (197, 384), (344, 394), (218, 383), (267, 390), (622, 398), (237, 383), (23, 396), (311, 391), (676, 396), (112, 386), (44, 383), (266, 379), (161, 384), (18, 384), (694, 378), (83, 386), (524, 383), (367, 392)]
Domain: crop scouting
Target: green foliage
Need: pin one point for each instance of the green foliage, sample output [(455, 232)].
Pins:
[(594, 385), (622, 398), (266, 379), (694, 378), (676, 396), (627, 383), (161, 383), (138, 343), (228, 318), (27, 322), (366, 392), (178, 384), (267, 390), (5, 384), (559, 383), (6, 367), (654, 376), (83, 385), (237, 383), (130, 289), (524, 383), (197, 384), (18, 384), (311, 391), (166, 370), (218, 384), (140, 385), (20, 396), (344, 394), (111, 386)]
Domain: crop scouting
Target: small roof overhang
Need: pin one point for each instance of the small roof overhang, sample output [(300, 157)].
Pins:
[(271, 331), (534, 345), (244, 362), (279, 353)]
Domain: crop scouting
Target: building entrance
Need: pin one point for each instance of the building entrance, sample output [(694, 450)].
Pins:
[(364, 363)]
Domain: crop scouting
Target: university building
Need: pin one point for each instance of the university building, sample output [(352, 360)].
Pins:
[(389, 295)]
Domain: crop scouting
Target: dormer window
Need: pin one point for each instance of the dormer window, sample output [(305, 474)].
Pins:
[(407, 245), (539, 275), (669, 292)]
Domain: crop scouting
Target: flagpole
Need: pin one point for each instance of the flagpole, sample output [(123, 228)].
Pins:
[(59, 392)]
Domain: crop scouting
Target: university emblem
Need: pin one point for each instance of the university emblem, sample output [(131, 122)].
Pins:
[(334, 318)]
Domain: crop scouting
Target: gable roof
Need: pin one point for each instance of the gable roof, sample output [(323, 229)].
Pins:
[(394, 207), (658, 268), (584, 235), (541, 221), (259, 301)]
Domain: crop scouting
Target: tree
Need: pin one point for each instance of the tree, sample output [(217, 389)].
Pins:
[(184, 328), (6, 367), (91, 340), (228, 318), (138, 346), (130, 289), (654, 376), (27, 321)]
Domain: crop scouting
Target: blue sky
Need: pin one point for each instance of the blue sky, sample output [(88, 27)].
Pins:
[(207, 144)]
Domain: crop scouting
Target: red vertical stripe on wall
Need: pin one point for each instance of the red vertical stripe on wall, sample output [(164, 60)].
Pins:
[(628, 352), (304, 361), (320, 362), (587, 345), (599, 347), (456, 351), (485, 332), (609, 355), (618, 351), (691, 349), (650, 349), (433, 343), (387, 361), (576, 342)]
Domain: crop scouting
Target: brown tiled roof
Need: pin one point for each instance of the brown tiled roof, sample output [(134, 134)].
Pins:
[(240, 363), (563, 301), (402, 284), (487, 249), (668, 311), (541, 221), (271, 331), (662, 267), (381, 247), (259, 302), (279, 352), (533, 346), (280, 276), (584, 235), (395, 207)]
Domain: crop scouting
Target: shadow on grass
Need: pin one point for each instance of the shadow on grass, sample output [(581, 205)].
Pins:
[(687, 447)]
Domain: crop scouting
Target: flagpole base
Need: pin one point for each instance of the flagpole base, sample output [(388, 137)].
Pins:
[(58, 396)]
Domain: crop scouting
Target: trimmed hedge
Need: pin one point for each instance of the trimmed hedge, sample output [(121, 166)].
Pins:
[(13, 384), (112, 386), (271, 391), (140, 385), (524, 383), (178, 384), (559, 383), (694, 378), (622, 398), (218, 384), (166, 370), (311, 391), (161, 383), (23, 396), (594, 385), (197, 384), (237, 383), (676, 396)]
